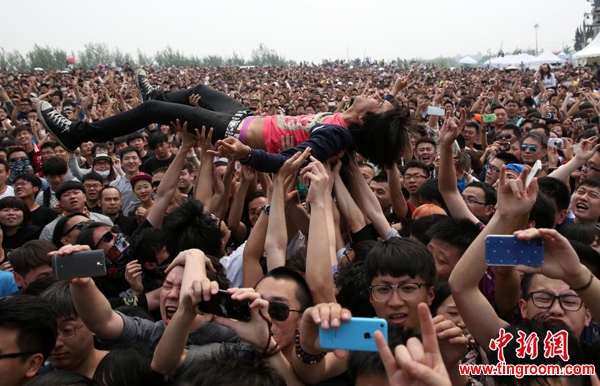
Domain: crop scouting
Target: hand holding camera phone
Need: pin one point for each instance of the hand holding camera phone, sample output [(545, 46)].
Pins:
[(221, 304), (505, 250), (78, 265), (356, 335)]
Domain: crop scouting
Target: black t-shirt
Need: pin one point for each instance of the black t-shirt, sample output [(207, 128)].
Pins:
[(153, 163), (149, 154), (42, 216), (127, 225), (29, 232)]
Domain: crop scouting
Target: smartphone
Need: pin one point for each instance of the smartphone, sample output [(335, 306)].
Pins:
[(355, 335), (508, 250), (537, 166), (436, 111), (79, 264), (221, 304), (489, 118)]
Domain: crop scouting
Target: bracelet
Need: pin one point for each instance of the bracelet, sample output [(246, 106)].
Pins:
[(306, 357), (249, 155), (270, 352), (589, 283)]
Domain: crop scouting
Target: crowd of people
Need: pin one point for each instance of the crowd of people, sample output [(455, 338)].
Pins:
[(313, 194)]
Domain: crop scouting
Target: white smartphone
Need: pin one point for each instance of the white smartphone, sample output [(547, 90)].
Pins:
[(537, 166), (436, 111)]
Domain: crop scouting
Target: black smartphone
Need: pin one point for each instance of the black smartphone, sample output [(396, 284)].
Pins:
[(80, 264), (222, 304)]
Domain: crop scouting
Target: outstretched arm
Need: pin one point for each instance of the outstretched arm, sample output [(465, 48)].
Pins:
[(514, 204), (398, 201)]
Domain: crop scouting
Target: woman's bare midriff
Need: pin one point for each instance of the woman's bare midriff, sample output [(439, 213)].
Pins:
[(254, 135)]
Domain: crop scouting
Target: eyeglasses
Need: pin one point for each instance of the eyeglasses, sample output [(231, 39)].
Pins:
[(17, 354), (545, 299), (92, 186), (414, 176), (108, 236), (68, 332), (78, 226), (504, 136), (590, 167), (383, 292), (493, 169), (532, 148), (280, 311), (21, 183), (471, 201)]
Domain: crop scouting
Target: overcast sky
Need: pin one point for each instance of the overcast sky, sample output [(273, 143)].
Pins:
[(300, 30)]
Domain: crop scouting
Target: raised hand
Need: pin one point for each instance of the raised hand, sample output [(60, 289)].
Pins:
[(514, 199), (133, 275), (230, 147), (587, 148), (318, 176)]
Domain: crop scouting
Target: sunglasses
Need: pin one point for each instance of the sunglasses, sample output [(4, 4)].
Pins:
[(504, 136), (532, 148), (280, 311), (78, 226), (108, 236)]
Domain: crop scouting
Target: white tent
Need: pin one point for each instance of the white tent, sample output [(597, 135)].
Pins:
[(511, 60), (467, 60), (563, 56), (592, 50), (546, 57)]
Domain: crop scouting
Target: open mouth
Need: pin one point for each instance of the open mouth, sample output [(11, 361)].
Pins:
[(397, 318), (581, 207), (170, 312)]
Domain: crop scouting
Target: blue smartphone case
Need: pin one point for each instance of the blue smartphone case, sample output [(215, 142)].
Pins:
[(355, 335), (508, 250)]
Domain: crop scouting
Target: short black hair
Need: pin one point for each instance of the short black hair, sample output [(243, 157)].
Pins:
[(34, 180), (58, 295), (588, 256), (441, 290), (416, 164), (92, 176), (54, 166), (457, 232), (428, 140), (420, 227), (429, 191), (12, 150), (189, 226), (31, 255), (145, 245), (591, 182), (543, 212), (21, 128), (128, 365), (507, 158), (68, 185), (129, 149), (585, 233), (490, 196), (33, 319), (398, 257), (156, 139), (136, 135), (353, 289), (303, 293), (515, 129), (557, 190), (221, 369)]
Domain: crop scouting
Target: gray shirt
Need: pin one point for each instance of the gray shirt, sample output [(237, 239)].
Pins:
[(136, 330), (48, 230), (128, 199)]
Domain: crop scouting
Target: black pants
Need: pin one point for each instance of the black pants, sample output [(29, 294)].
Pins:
[(216, 110)]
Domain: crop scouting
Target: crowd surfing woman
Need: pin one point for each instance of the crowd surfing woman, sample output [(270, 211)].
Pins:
[(375, 127)]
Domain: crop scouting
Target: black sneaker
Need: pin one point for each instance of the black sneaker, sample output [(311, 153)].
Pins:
[(57, 124), (146, 89)]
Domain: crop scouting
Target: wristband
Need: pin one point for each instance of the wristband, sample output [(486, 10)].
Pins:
[(306, 357), (249, 155), (589, 283)]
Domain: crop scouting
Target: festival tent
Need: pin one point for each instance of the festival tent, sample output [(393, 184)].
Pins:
[(591, 51), (467, 60), (546, 57), (564, 56), (511, 60)]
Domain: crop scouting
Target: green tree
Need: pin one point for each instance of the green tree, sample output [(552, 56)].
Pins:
[(47, 58), (265, 56), (94, 54), (16, 62), (213, 61), (235, 60)]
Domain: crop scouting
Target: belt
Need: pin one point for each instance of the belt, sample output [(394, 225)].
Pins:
[(233, 125)]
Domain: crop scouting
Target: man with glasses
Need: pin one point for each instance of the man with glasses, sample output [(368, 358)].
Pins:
[(71, 196), (492, 172), (534, 148), (415, 174), (74, 350), (27, 337), (592, 168), (92, 182)]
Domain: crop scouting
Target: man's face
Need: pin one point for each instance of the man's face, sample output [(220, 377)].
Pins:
[(137, 144), (533, 151), (169, 295), (592, 169), (47, 152), (162, 150), (426, 153), (254, 209), (475, 200), (23, 138), (24, 107), (101, 166), (382, 192), (368, 173), (71, 350), (574, 320), (414, 178), (586, 204), (512, 109), (185, 180), (131, 162), (374, 105), (92, 189), (282, 291), (72, 200), (86, 148), (14, 371), (59, 151), (502, 117), (446, 256), (24, 189), (156, 178), (396, 310), (3, 174), (493, 171), (71, 232), (111, 202), (469, 134), (33, 275), (55, 180)]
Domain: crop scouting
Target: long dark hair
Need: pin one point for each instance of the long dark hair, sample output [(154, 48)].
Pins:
[(17, 203), (383, 137)]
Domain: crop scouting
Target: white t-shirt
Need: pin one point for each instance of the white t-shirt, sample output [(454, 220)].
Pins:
[(9, 192)]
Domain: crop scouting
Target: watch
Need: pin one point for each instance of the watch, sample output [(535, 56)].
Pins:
[(267, 209)]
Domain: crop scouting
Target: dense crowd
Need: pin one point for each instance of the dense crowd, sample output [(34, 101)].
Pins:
[(313, 194)]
